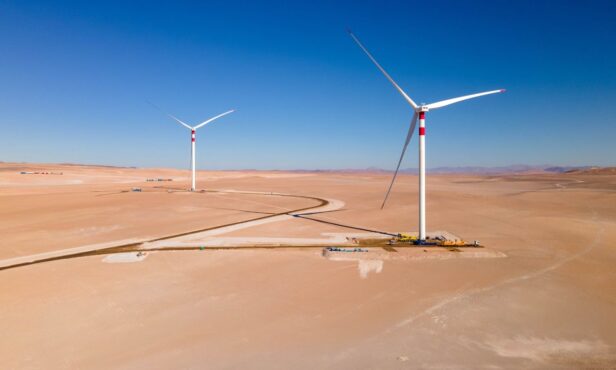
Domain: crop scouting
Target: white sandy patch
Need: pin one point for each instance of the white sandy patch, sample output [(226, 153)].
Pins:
[(367, 266), (125, 257), (539, 349)]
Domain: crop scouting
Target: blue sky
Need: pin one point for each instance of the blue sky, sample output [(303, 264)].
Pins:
[(75, 77)]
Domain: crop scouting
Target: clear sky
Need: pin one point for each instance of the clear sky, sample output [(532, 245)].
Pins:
[(75, 77)]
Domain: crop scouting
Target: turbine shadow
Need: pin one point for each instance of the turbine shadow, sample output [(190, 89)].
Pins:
[(245, 210), (303, 216), (316, 213), (343, 225)]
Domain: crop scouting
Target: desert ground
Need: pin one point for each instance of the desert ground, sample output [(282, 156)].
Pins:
[(95, 275)]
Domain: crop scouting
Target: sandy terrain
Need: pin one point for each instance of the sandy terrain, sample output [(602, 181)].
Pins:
[(540, 295)]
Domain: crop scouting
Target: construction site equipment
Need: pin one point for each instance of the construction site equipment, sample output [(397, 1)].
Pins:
[(406, 238), (455, 243), (338, 249), (424, 242)]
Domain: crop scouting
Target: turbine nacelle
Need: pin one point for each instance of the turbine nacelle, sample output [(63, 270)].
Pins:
[(423, 108)]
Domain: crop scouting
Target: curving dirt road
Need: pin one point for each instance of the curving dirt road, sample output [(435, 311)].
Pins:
[(325, 205)]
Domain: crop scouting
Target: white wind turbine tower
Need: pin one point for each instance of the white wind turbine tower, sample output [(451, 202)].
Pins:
[(418, 110), (193, 137)]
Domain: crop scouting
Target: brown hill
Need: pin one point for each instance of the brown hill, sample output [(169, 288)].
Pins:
[(594, 171)]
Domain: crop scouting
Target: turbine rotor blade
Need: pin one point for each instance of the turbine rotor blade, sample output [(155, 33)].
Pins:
[(178, 121), (444, 103), (406, 97), (170, 116), (406, 144), (213, 118)]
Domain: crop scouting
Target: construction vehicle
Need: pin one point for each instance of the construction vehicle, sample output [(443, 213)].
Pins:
[(406, 238), (453, 243)]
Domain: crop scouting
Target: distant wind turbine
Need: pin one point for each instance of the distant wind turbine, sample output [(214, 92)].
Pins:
[(193, 131), (421, 111)]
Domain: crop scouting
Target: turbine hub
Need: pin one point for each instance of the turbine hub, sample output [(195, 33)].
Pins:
[(423, 108)]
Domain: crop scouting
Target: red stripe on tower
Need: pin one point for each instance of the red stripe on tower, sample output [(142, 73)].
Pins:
[(193, 136), (422, 131), (422, 115)]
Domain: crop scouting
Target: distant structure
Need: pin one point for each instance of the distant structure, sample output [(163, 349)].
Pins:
[(193, 138), (418, 110), (40, 173)]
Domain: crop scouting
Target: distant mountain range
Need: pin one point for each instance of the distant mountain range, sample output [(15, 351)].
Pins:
[(518, 168)]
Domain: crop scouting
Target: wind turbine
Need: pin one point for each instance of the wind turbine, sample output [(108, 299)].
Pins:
[(418, 110), (193, 132)]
